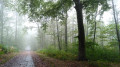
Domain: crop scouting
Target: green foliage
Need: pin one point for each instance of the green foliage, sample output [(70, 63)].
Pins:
[(110, 31), (73, 48), (55, 53), (100, 63), (92, 5), (5, 50), (39, 8), (93, 9), (94, 52), (91, 45), (44, 26), (104, 54)]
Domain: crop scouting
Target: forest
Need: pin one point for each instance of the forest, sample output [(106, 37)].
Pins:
[(59, 33)]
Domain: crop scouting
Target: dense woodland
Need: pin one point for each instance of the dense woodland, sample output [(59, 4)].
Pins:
[(62, 29)]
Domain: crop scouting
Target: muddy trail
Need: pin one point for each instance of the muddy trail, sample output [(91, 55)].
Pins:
[(25, 59), (32, 59)]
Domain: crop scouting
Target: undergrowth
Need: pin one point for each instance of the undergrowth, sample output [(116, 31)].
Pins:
[(7, 49), (94, 52)]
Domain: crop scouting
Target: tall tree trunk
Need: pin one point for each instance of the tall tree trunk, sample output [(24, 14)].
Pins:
[(54, 34), (38, 30), (116, 24), (2, 31), (94, 32), (66, 41), (2, 8), (59, 46), (16, 30), (81, 33), (54, 38), (87, 31), (7, 42), (95, 26)]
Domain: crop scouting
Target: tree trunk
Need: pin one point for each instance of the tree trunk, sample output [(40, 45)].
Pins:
[(54, 39), (2, 8), (116, 24), (54, 34), (16, 30), (95, 26), (94, 32), (81, 33), (87, 31), (59, 46), (66, 41)]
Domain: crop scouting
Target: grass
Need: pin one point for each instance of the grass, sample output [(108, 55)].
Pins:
[(7, 49), (94, 53), (5, 57), (100, 64), (62, 55), (97, 55), (103, 54), (6, 53)]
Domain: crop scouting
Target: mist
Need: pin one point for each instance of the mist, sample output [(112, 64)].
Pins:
[(66, 30)]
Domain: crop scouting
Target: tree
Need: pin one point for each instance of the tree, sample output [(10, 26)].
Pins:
[(58, 36), (116, 24), (81, 33), (39, 9), (2, 23), (16, 29), (66, 38), (93, 9), (51, 9)]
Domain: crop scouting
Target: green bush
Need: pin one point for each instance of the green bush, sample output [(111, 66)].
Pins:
[(105, 54), (55, 53), (94, 52), (8, 49), (3, 49)]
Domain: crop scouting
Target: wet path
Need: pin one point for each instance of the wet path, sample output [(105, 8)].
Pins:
[(22, 60), (33, 59)]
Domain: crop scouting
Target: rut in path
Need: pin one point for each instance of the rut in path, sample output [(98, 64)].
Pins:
[(22, 60)]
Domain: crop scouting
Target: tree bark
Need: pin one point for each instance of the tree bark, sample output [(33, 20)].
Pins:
[(81, 33), (54, 39), (54, 33), (95, 26), (66, 41), (16, 30), (2, 8), (59, 46), (116, 24), (94, 32)]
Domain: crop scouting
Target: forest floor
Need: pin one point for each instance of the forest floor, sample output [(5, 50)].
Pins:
[(32, 59), (5, 57)]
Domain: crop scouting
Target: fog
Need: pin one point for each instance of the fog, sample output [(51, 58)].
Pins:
[(20, 32)]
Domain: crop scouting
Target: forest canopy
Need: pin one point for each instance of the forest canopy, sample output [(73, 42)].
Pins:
[(62, 29)]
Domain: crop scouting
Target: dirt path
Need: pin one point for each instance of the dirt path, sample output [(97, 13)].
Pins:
[(32, 59), (24, 59)]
